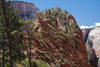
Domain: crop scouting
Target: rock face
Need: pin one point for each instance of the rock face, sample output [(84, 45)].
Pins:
[(26, 10), (93, 46), (85, 34), (58, 40)]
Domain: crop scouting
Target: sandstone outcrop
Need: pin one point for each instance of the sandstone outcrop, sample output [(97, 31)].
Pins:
[(58, 40), (93, 46), (26, 11)]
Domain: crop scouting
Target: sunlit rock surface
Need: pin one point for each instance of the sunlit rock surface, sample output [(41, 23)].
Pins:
[(26, 11), (93, 45)]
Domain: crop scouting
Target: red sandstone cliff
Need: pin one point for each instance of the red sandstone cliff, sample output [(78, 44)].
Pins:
[(59, 41), (26, 10)]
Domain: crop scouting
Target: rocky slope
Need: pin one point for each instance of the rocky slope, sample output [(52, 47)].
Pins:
[(58, 40), (26, 10), (57, 34), (93, 46)]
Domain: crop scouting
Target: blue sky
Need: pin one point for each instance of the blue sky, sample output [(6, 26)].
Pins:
[(86, 12)]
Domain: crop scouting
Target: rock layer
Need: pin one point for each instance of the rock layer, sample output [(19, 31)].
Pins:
[(59, 42), (26, 10), (85, 34), (51, 44), (93, 46)]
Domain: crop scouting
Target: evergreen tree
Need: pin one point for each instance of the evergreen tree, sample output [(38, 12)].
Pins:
[(11, 28), (66, 12), (29, 30)]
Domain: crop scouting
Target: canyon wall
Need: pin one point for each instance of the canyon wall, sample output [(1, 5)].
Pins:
[(26, 11), (92, 45), (58, 40)]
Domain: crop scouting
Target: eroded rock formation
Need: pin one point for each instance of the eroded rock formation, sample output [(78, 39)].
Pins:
[(85, 34), (58, 40), (93, 46), (26, 10)]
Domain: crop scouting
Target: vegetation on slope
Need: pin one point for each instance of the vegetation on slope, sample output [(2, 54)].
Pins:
[(53, 40)]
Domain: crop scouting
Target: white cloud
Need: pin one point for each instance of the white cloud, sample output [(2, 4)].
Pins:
[(84, 27), (92, 26), (97, 24), (87, 27)]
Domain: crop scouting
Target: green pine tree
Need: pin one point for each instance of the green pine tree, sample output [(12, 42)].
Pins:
[(11, 28), (29, 30)]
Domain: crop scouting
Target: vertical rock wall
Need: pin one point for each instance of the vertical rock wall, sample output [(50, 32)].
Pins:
[(26, 10)]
